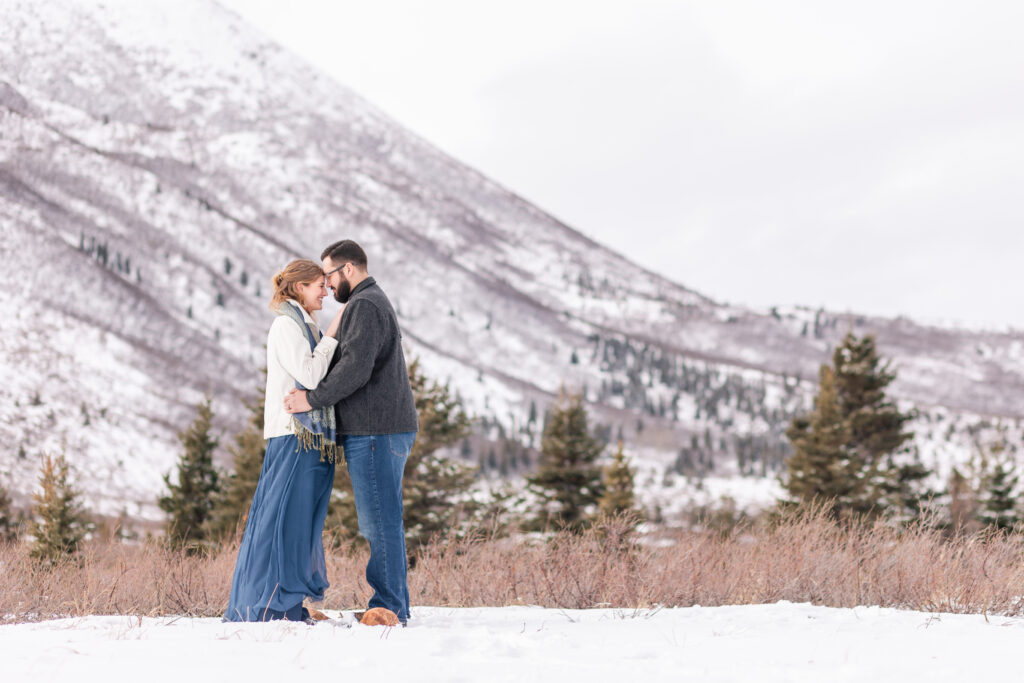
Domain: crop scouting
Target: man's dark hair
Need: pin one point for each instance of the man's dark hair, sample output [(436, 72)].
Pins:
[(345, 251)]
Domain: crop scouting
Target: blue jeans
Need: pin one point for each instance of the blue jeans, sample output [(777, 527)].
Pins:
[(376, 464)]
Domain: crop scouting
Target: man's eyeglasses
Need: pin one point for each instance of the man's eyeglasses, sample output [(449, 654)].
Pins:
[(332, 272)]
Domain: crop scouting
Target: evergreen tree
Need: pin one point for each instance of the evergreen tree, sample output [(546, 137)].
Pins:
[(998, 494), (59, 525), (496, 514), (8, 524), (190, 501), (999, 507), (434, 486), (903, 489), (851, 448), (617, 478), (568, 480), (876, 425), (231, 505), (820, 467)]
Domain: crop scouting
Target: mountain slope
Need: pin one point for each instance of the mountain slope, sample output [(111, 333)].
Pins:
[(160, 160)]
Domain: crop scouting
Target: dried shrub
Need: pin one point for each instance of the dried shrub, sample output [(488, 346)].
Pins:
[(802, 557)]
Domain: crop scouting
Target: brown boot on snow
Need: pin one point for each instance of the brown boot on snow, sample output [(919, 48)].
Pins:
[(378, 616)]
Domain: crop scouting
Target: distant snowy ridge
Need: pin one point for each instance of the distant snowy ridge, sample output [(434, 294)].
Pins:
[(160, 160)]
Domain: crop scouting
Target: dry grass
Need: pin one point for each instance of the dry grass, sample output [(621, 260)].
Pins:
[(803, 558)]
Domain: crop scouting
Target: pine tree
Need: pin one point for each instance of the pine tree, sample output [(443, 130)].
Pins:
[(8, 524), (617, 478), (851, 448), (820, 467), (999, 507), (876, 425), (568, 480), (496, 515), (190, 501), (59, 525), (231, 505), (434, 487), (903, 489), (998, 494)]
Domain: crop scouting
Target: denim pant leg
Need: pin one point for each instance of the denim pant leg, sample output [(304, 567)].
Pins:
[(376, 464), (400, 446)]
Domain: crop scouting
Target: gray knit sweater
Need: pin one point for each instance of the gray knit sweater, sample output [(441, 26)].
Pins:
[(368, 382)]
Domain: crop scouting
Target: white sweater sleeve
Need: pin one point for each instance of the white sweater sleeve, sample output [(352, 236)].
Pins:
[(289, 345)]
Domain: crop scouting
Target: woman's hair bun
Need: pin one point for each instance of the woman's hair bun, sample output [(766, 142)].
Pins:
[(283, 283)]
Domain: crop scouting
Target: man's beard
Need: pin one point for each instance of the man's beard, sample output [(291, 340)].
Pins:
[(343, 291)]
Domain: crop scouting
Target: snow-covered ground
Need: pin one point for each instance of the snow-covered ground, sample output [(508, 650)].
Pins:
[(763, 643)]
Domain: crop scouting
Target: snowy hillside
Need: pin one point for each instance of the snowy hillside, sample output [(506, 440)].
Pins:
[(160, 160)]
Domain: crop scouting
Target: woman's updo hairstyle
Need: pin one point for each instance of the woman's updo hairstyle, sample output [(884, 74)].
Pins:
[(283, 284)]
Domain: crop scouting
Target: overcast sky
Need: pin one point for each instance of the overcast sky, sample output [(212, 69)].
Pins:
[(864, 156)]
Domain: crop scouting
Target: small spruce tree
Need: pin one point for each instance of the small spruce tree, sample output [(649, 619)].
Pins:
[(820, 467), (497, 515), (189, 502), (8, 524), (876, 427), (434, 486), (998, 491), (617, 478), (999, 508), (58, 523), (851, 449), (568, 479), (231, 504), (903, 488)]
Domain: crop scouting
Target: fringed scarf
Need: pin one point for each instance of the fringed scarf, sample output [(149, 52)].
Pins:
[(315, 429)]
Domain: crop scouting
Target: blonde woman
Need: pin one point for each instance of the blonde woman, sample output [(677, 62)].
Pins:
[(281, 559)]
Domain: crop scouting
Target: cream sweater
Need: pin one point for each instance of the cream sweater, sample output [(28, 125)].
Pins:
[(289, 360)]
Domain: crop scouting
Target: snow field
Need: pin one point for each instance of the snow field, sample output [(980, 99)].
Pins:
[(763, 643)]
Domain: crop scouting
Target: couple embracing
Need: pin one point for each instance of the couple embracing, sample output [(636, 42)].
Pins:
[(344, 393)]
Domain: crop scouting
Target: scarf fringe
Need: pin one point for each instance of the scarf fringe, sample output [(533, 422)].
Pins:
[(329, 450)]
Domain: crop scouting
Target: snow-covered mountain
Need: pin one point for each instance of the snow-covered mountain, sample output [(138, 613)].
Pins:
[(160, 160)]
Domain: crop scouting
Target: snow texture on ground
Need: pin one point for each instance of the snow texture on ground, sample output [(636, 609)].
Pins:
[(763, 643)]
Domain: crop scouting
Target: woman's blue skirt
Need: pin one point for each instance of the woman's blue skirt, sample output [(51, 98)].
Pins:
[(281, 559)]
